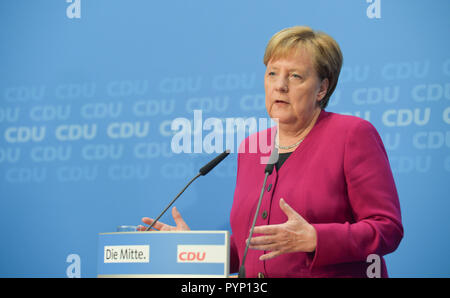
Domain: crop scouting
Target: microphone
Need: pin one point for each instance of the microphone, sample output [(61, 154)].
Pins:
[(202, 172), (210, 165), (272, 161), (268, 171)]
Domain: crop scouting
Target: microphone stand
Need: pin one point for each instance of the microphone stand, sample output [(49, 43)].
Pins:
[(242, 268), (173, 201), (202, 172)]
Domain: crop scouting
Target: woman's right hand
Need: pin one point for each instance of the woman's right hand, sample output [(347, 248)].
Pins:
[(180, 223)]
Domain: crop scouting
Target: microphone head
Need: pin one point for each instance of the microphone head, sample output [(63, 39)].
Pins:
[(272, 161), (209, 166)]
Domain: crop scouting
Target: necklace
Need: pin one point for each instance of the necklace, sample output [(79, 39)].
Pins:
[(278, 146)]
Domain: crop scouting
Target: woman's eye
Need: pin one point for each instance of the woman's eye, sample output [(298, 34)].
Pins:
[(271, 73), (296, 76)]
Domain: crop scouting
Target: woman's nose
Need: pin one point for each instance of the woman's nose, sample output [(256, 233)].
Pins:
[(281, 85)]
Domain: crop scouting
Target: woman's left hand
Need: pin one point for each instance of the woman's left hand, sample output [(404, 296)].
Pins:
[(295, 235)]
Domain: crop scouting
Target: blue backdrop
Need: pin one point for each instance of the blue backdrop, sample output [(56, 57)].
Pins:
[(89, 89)]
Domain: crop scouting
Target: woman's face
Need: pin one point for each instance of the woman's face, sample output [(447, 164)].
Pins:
[(293, 89)]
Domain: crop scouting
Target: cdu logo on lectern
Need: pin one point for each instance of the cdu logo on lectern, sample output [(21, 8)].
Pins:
[(201, 253)]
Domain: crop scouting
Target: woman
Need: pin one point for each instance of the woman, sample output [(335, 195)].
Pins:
[(331, 200)]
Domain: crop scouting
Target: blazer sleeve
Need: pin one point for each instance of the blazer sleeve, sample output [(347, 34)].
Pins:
[(377, 227)]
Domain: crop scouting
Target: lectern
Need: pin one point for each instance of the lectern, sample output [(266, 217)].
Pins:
[(163, 254)]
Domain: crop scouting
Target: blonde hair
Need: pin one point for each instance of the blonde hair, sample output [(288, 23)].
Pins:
[(326, 54)]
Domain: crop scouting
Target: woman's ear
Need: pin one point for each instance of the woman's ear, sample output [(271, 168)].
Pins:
[(323, 89)]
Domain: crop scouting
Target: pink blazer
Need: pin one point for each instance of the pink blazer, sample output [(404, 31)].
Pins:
[(340, 181)]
